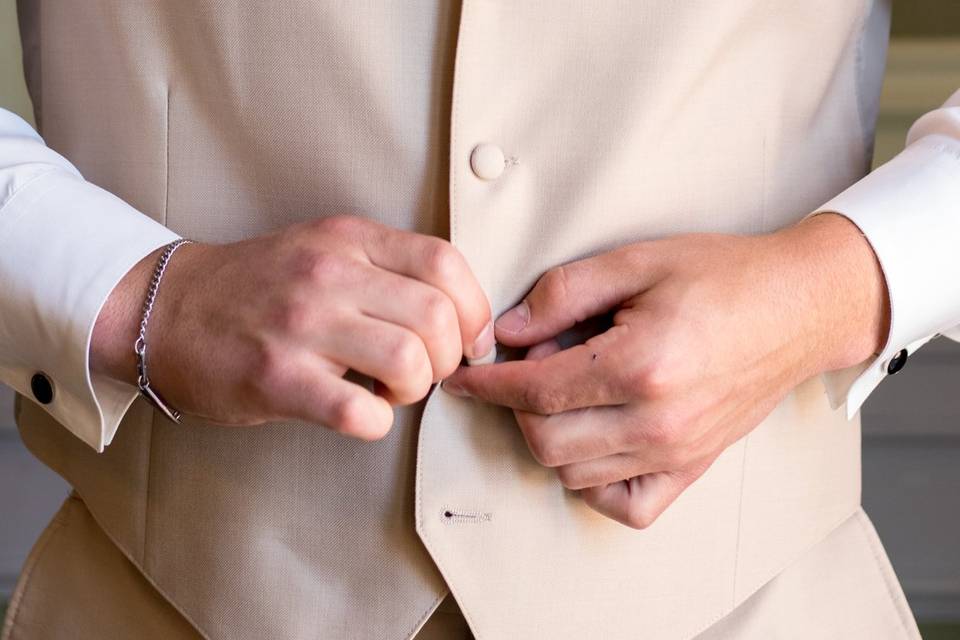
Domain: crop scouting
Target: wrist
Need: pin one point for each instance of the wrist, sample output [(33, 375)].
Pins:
[(117, 326), (111, 345), (844, 291)]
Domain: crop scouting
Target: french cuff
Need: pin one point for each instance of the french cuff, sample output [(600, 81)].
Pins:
[(908, 211), (64, 245)]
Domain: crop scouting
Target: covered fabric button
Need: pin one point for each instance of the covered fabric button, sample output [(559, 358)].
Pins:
[(487, 161), (897, 361), (42, 388)]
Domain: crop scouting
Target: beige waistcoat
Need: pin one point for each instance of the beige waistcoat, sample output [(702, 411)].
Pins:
[(621, 120)]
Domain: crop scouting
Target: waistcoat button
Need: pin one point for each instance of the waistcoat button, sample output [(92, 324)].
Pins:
[(487, 161)]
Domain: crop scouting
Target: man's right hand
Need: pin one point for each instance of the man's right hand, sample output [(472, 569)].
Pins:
[(265, 329)]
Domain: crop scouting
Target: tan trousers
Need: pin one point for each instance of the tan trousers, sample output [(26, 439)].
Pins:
[(76, 584)]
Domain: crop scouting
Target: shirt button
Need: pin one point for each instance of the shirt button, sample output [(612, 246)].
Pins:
[(487, 161), (42, 388), (897, 361)]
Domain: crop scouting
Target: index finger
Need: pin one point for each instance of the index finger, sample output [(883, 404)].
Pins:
[(571, 379), (438, 263)]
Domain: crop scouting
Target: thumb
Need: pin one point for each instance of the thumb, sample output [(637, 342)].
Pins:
[(567, 295)]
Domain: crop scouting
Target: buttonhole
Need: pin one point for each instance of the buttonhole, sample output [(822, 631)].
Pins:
[(466, 517)]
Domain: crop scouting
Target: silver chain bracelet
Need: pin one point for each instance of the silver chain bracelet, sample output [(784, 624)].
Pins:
[(140, 346)]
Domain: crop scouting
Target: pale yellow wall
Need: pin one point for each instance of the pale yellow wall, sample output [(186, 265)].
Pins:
[(13, 93)]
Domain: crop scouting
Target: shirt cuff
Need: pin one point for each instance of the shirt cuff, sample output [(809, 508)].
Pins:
[(64, 245), (908, 211)]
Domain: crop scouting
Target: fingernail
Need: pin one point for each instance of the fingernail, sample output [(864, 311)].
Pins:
[(484, 342), (515, 320), (489, 358), (454, 389)]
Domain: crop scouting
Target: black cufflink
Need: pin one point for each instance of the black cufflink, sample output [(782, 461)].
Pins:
[(897, 362), (42, 388)]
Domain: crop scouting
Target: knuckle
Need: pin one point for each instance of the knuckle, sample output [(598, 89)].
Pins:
[(313, 267), (349, 417), (408, 372), (405, 355), (292, 317), (340, 224), (654, 381), (441, 259), (638, 517), (421, 387), (437, 313), (591, 497), (553, 285), (542, 400), (268, 373), (325, 268), (661, 434), (570, 478), (543, 448), (666, 433), (446, 366), (633, 438), (550, 455)]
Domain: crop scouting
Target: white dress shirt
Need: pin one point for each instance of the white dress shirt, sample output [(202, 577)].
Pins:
[(65, 243)]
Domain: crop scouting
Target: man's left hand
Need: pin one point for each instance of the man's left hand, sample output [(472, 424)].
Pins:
[(710, 332)]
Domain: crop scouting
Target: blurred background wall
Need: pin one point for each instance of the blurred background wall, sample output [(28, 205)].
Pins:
[(911, 463), (13, 94)]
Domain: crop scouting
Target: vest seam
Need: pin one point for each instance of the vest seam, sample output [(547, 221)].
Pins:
[(736, 549), (827, 533), (146, 576), (166, 155), (763, 182)]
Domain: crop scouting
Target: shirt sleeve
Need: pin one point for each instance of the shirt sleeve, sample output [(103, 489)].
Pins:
[(909, 211), (64, 245)]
